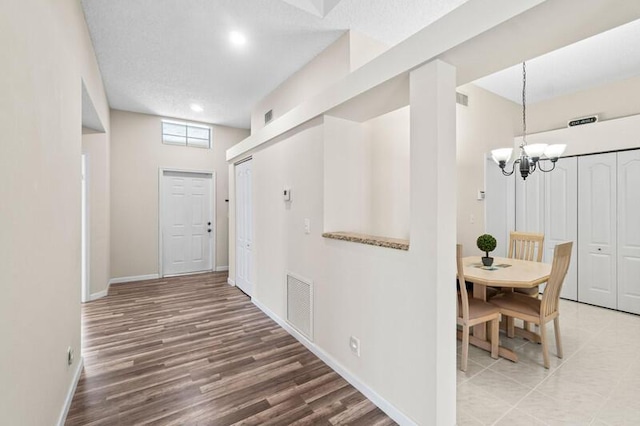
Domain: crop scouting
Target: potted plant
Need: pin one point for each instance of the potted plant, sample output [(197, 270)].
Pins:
[(486, 243)]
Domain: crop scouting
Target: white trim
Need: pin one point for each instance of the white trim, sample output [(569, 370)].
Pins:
[(389, 409), (85, 236), (222, 268), (230, 281), (99, 295), (214, 224), (133, 278), (71, 392)]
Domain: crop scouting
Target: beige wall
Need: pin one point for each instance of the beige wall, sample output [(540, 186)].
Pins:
[(137, 153), (350, 51), (96, 148), (489, 122), (366, 184), (376, 294), (614, 100), (388, 136), (46, 53)]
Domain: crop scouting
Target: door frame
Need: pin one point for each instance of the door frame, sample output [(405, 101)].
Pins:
[(212, 206), (85, 230)]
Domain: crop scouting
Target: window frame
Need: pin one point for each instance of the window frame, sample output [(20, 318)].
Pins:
[(187, 126)]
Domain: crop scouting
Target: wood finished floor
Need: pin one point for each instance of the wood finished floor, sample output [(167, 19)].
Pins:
[(196, 351)]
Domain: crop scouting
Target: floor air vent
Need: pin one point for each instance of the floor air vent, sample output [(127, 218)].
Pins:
[(300, 305)]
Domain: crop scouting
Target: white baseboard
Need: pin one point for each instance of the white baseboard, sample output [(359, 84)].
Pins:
[(134, 278), (100, 294), (230, 281), (222, 268), (71, 392), (397, 415)]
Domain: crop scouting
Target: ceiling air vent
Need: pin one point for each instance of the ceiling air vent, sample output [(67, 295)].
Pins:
[(462, 99), (268, 116)]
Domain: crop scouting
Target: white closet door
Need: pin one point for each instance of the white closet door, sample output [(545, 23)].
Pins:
[(629, 231), (244, 228), (561, 218), (530, 205), (597, 230)]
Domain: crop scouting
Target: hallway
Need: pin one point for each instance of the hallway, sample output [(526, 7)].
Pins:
[(194, 350)]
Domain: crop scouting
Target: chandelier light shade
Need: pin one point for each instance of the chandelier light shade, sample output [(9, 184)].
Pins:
[(531, 156)]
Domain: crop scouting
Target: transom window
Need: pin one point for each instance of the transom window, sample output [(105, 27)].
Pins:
[(177, 133)]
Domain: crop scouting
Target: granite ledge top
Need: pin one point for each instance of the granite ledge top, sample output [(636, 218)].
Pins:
[(394, 243)]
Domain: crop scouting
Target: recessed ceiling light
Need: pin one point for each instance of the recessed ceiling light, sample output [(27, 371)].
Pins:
[(237, 38), (196, 108)]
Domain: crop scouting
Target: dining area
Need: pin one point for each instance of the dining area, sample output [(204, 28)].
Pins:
[(495, 292)]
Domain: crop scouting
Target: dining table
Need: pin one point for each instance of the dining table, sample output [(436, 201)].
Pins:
[(506, 273)]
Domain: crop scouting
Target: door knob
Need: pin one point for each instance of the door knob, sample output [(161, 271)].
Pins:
[(209, 223), (599, 248), (208, 230)]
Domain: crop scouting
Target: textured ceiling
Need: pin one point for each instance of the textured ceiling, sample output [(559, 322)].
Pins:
[(160, 56), (607, 57)]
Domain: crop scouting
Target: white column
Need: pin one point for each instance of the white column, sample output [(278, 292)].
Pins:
[(433, 226)]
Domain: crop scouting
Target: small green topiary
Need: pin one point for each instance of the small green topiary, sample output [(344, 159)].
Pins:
[(486, 243)]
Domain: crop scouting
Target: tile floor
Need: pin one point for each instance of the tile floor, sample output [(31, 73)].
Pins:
[(596, 383)]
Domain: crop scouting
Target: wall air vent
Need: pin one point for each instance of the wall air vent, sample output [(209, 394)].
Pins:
[(300, 305), (462, 99), (268, 116)]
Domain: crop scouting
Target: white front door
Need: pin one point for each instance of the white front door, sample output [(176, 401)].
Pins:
[(244, 227), (187, 222), (597, 283), (629, 231), (561, 218)]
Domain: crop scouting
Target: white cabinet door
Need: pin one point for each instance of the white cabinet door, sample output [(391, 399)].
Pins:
[(629, 231), (244, 227), (561, 218), (530, 205), (597, 230), (187, 223)]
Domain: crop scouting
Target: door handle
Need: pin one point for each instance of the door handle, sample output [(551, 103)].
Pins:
[(209, 223), (208, 230)]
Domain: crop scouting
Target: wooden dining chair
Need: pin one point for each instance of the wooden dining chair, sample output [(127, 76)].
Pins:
[(536, 311), (526, 246), (472, 312)]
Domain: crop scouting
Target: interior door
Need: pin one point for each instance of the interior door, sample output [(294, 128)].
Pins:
[(244, 227), (188, 230), (561, 218), (629, 231), (597, 230)]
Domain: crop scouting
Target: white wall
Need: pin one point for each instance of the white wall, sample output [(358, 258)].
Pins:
[(137, 153), (96, 147), (488, 122), (46, 53)]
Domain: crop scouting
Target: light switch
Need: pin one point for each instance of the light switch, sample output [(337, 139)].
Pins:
[(307, 226), (286, 194)]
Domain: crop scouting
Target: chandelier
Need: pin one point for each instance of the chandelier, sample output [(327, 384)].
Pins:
[(531, 156)]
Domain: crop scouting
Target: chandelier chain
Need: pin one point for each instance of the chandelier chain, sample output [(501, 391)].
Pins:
[(524, 103)]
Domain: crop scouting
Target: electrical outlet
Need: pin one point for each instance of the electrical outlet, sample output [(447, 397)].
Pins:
[(69, 355), (354, 344)]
